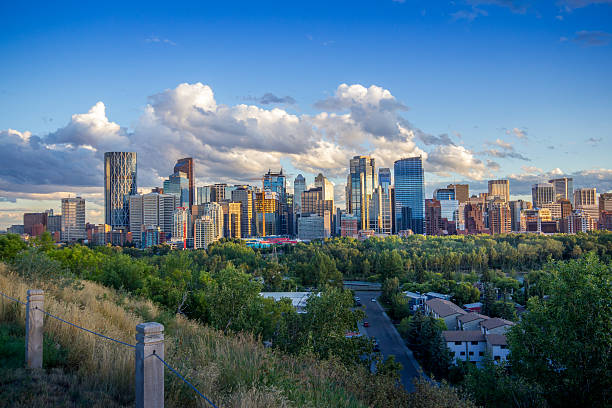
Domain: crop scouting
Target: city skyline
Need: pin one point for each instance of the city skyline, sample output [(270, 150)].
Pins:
[(483, 90)]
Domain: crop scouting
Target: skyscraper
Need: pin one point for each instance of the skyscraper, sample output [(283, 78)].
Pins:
[(299, 186), (515, 213), (564, 187), (231, 219), (186, 166), (327, 187), (585, 199), (119, 184), (245, 195), (462, 192), (214, 211), (361, 182), (217, 192), (181, 225), (277, 183), (382, 212), (203, 195), (152, 210), (542, 193), (73, 219), (500, 217), (204, 232), (178, 185), (409, 194), (500, 188)]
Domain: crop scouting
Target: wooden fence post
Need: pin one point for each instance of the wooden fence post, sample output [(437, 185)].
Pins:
[(34, 328), (149, 369)]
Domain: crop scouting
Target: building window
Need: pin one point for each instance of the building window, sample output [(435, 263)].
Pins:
[(462, 353), (471, 353), (457, 343), (480, 353), (474, 343)]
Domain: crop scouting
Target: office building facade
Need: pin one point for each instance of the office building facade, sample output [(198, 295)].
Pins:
[(185, 165), (73, 219), (361, 182), (409, 194), (542, 193), (564, 188), (500, 189), (120, 171)]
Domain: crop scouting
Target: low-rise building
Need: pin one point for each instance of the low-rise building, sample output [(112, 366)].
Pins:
[(495, 325), (415, 299), (469, 345), (470, 321), (497, 346), (446, 310), (298, 299)]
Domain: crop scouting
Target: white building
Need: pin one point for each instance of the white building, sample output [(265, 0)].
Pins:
[(151, 210), (298, 299), (73, 219), (204, 232), (469, 345), (215, 212), (181, 224), (497, 346)]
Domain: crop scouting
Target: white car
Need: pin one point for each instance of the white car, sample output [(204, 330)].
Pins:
[(373, 299)]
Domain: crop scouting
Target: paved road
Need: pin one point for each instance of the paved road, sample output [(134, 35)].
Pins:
[(389, 340)]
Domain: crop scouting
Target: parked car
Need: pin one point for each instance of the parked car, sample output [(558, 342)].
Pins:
[(366, 324), (373, 299)]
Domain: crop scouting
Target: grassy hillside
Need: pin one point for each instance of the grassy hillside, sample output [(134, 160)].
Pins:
[(234, 371)]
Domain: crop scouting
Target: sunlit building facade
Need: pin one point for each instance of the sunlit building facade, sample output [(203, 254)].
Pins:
[(410, 194), (119, 183)]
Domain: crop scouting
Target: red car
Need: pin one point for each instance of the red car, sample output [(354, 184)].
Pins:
[(366, 324)]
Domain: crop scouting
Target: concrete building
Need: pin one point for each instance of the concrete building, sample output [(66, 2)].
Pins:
[(217, 192), (605, 202), (312, 226), (515, 213), (433, 217), (204, 232), (268, 207), (150, 236), (299, 300), (542, 193), (500, 221), (585, 199), (120, 173), (497, 346), (446, 310), (578, 221), (499, 188), (73, 219), (495, 325), (214, 211), (468, 345), (327, 187), (474, 218), (470, 321), (34, 224), (462, 192), (152, 210)]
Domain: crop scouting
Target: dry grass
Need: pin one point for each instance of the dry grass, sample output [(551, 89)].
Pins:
[(233, 371)]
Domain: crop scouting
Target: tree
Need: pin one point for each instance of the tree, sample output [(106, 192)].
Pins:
[(390, 288), (465, 292), (564, 343), (10, 246)]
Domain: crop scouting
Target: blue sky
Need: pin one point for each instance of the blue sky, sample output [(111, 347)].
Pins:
[(521, 89)]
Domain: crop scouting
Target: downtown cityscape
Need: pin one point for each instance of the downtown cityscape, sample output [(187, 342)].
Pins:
[(379, 202), (351, 204)]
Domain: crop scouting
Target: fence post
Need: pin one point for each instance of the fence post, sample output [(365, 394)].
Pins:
[(149, 370), (34, 328)]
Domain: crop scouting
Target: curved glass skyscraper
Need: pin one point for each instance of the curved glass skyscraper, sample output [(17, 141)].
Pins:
[(119, 184), (409, 194)]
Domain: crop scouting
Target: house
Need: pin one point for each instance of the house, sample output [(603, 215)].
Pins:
[(470, 321), (436, 295), (468, 345), (446, 310), (497, 346), (415, 300), (495, 325)]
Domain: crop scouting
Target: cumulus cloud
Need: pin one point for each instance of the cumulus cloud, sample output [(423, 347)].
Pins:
[(507, 151), (269, 98), (519, 133), (229, 143)]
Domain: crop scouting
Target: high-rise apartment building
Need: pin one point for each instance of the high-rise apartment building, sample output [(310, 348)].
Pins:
[(462, 192), (119, 184), (186, 166), (152, 210), (178, 185), (299, 186), (361, 182), (73, 219), (500, 221), (474, 218), (500, 188), (542, 193), (217, 192), (214, 211), (181, 225), (204, 232), (268, 207), (276, 182), (605, 202), (564, 188), (203, 195), (410, 194), (245, 195)]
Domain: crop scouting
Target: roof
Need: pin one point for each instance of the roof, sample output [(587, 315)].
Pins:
[(496, 322), (463, 335), (298, 299), (472, 305), (497, 339), (444, 308), (414, 295), (470, 317)]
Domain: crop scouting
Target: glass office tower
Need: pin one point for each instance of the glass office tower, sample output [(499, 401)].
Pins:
[(360, 187), (119, 184), (410, 194)]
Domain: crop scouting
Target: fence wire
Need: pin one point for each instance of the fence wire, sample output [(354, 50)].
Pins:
[(184, 380), (12, 298)]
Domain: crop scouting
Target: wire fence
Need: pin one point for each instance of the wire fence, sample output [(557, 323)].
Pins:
[(117, 341)]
